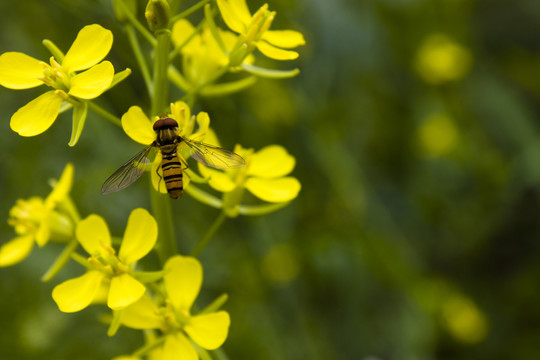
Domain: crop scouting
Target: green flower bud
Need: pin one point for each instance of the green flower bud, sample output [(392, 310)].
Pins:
[(157, 14)]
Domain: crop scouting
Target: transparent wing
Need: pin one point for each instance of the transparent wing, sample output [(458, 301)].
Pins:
[(127, 173), (214, 156)]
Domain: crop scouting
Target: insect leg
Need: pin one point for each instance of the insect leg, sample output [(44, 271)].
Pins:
[(160, 177)]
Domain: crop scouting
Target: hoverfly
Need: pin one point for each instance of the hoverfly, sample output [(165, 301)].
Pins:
[(172, 164)]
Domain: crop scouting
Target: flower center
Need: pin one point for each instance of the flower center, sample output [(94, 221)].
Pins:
[(26, 216), (55, 76)]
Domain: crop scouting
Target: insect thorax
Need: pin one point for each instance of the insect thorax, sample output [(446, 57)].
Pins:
[(167, 136)]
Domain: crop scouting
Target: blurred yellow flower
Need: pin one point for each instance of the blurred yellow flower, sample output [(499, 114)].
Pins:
[(202, 56), (440, 59), (463, 319), (39, 220), (438, 135), (108, 268), (183, 281), (264, 175), (20, 71), (139, 127), (254, 30)]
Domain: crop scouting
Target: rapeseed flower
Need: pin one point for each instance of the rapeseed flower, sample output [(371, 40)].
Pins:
[(115, 272), (440, 59), (254, 30), (202, 56), (38, 220), (174, 318), (63, 74), (138, 127), (264, 176)]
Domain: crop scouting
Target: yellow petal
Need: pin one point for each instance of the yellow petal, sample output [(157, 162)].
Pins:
[(90, 47), (140, 236), (44, 231), (203, 122), (182, 114), (183, 281), (235, 14), (274, 52), (274, 190), (93, 82), (209, 331), (287, 39), (219, 180), (156, 174), (178, 347), (62, 187), (76, 294), (16, 250), (125, 290), (93, 235), (270, 162), (137, 126), (20, 71), (142, 315), (182, 29), (36, 116)]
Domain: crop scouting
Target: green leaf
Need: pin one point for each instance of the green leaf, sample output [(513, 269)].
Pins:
[(270, 73)]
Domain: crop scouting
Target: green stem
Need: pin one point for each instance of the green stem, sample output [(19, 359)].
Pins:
[(61, 261), (133, 20), (161, 204), (104, 114), (134, 42), (161, 83), (209, 235), (189, 11)]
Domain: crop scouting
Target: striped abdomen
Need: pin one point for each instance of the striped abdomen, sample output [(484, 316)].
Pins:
[(172, 170)]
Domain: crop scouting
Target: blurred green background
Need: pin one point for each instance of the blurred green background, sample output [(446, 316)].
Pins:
[(416, 235)]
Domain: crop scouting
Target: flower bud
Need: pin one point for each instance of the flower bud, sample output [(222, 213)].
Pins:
[(157, 14)]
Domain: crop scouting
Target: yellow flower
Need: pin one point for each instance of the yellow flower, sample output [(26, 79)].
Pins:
[(20, 71), (463, 319), (438, 135), (440, 59), (39, 220), (109, 269), (254, 30), (138, 127), (182, 284), (264, 175), (202, 56)]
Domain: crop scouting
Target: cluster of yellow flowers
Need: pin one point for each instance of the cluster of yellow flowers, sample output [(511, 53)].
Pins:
[(112, 276)]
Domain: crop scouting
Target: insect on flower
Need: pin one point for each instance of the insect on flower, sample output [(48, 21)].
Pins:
[(172, 164)]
